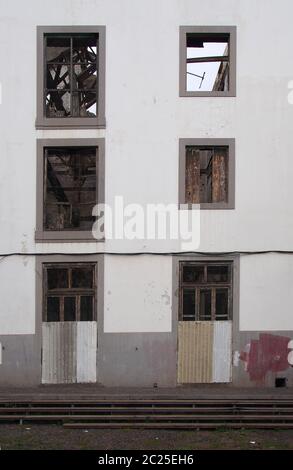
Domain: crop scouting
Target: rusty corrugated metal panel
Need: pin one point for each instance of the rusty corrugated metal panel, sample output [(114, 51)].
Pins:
[(59, 352), (222, 350), (195, 356), (86, 351)]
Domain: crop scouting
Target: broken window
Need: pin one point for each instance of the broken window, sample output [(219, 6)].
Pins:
[(206, 174), (70, 188), (208, 58), (205, 291), (71, 75), (207, 62), (69, 292)]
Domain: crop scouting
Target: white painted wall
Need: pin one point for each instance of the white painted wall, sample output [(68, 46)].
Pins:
[(145, 118), (266, 294), (17, 296), (138, 294)]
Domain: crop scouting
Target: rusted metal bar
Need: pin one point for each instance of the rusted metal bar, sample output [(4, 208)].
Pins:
[(194, 60)]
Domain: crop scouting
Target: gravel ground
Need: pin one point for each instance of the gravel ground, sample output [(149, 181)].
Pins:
[(43, 437)]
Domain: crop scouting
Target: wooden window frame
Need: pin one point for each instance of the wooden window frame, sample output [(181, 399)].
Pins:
[(69, 291), (205, 285), (98, 121), (208, 142), (206, 30), (42, 235)]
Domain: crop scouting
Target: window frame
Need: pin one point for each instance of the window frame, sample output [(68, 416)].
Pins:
[(69, 292), (42, 235), (209, 142), (183, 31), (43, 122), (205, 285)]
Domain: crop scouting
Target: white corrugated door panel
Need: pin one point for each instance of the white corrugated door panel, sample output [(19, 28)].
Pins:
[(222, 351), (59, 352), (195, 351), (87, 351)]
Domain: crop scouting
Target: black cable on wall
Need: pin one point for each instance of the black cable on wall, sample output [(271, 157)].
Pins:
[(138, 253)]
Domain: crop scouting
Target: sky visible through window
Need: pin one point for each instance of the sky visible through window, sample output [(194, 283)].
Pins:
[(210, 68)]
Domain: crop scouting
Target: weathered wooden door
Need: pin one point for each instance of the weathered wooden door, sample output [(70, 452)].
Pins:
[(205, 323)]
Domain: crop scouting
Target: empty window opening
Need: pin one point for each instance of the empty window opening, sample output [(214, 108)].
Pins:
[(207, 62), (69, 292), (206, 174), (205, 291), (71, 83), (70, 176)]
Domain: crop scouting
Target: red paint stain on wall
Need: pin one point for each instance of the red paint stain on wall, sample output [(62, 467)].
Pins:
[(267, 354)]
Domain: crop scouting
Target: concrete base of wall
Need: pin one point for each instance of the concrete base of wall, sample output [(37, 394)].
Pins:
[(20, 360), (137, 360), (150, 360)]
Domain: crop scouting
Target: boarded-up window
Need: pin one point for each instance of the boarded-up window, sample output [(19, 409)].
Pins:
[(69, 292), (206, 174), (71, 75), (205, 291), (70, 188)]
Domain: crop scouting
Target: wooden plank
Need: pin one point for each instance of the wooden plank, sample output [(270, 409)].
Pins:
[(152, 418), (192, 176), (194, 60), (143, 410), (219, 175), (71, 400)]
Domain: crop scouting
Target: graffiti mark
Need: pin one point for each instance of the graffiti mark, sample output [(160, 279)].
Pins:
[(267, 354)]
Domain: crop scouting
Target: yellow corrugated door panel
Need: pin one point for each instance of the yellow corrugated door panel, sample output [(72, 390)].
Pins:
[(195, 352)]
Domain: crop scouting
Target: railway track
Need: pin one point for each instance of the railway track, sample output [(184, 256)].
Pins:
[(151, 413)]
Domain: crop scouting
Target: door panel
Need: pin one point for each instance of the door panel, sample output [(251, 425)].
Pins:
[(222, 351), (204, 351), (69, 352), (195, 340), (59, 352), (87, 351)]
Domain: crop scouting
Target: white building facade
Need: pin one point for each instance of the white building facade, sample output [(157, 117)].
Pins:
[(140, 312)]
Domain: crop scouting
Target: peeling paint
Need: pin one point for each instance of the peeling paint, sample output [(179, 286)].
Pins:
[(244, 355), (267, 354), (166, 299), (236, 358), (24, 249), (290, 355)]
